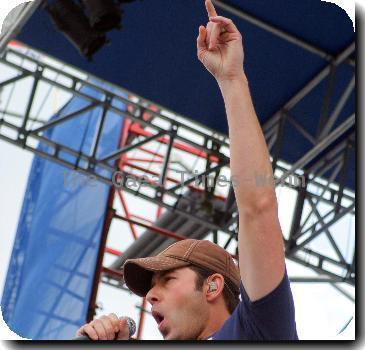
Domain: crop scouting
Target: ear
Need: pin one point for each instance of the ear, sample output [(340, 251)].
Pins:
[(214, 286)]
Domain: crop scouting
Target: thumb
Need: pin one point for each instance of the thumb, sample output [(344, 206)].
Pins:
[(123, 330), (80, 332), (200, 41)]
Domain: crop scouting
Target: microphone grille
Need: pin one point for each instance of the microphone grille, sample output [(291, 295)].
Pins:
[(131, 325)]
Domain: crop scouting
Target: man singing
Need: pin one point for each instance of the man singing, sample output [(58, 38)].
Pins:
[(193, 286)]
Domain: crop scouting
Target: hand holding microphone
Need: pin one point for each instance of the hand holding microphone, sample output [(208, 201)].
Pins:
[(107, 328)]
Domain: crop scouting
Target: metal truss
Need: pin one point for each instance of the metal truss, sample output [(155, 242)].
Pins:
[(307, 227), (328, 158), (240, 13), (157, 126), (15, 21), (168, 131), (322, 170)]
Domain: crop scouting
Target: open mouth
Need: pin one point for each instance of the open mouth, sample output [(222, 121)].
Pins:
[(158, 317)]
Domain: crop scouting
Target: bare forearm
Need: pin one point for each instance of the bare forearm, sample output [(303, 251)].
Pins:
[(261, 249), (260, 245), (250, 162)]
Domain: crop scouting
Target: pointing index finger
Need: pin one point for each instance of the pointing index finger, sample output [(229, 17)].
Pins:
[(210, 8)]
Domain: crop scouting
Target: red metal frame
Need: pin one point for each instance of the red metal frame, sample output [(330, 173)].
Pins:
[(133, 220), (102, 246), (138, 130)]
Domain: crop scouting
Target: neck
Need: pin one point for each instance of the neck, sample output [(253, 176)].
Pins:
[(216, 319)]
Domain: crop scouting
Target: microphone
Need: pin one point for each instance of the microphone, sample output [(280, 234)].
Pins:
[(131, 324)]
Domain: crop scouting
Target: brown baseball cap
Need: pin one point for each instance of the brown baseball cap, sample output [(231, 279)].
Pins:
[(202, 253)]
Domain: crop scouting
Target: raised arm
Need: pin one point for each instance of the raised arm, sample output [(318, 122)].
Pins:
[(260, 243)]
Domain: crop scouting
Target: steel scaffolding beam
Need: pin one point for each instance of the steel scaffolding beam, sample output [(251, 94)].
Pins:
[(213, 148), (168, 191), (240, 13), (330, 153)]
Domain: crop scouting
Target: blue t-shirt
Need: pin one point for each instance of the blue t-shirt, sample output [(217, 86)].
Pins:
[(269, 318)]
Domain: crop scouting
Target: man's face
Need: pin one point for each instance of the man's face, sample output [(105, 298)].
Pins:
[(179, 309)]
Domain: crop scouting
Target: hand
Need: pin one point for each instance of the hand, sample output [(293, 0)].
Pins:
[(219, 46), (105, 328)]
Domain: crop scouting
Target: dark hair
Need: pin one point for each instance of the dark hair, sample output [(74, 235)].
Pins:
[(230, 291)]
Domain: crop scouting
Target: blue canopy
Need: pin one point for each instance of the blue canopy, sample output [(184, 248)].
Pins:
[(154, 55)]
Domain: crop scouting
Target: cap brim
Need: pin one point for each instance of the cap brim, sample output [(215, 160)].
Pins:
[(138, 272)]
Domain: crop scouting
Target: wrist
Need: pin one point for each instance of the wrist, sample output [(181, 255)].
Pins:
[(228, 83)]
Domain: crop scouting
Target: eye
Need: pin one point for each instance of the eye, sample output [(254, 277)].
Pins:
[(168, 278)]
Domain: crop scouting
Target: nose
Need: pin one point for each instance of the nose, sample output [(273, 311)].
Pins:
[(152, 295)]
